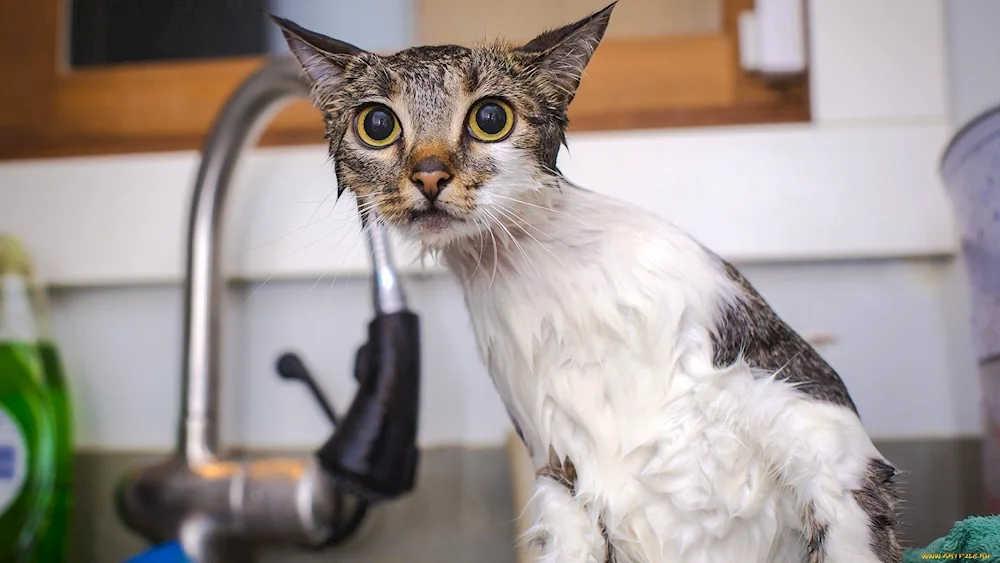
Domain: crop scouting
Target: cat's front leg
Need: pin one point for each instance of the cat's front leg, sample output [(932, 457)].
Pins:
[(565, 529), (841, 484), (858, 524)]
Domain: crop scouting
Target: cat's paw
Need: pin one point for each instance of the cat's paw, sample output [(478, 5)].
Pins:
[(564, 530)]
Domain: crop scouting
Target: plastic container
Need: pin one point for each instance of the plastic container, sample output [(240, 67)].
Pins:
[(970, 167), (166, 553)]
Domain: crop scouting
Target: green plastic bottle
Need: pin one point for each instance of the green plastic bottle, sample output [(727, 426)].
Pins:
[(54, 538), (27, 427)]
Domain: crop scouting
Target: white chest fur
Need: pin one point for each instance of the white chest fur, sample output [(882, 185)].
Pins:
[(596, 329)]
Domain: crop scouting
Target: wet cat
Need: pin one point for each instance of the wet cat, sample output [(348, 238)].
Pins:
[(671, 415)]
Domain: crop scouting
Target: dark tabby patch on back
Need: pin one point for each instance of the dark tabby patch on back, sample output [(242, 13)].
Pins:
[(749, 329), (877, 497)]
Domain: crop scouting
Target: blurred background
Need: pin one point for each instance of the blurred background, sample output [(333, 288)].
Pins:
[(801, 140)]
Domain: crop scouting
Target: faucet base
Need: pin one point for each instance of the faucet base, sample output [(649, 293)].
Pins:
[(209, 504)]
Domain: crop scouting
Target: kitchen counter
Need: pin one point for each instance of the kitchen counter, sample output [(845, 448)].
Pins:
[(467, 502), (460, 511)]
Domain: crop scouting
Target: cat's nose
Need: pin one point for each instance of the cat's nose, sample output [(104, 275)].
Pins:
[(430, 174)]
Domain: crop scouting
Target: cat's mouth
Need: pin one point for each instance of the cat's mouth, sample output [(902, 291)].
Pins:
[(433, 220), (429, 213)]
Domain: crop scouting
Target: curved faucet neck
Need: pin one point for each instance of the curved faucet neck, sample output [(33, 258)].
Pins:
[(200, 496), (239, 125)]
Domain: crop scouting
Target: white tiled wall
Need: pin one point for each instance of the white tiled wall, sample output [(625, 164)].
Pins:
[(890, 321)]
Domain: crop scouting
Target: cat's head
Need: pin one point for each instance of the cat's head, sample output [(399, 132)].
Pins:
[(446, 142)]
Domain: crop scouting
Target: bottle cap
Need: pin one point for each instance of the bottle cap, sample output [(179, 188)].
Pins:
[(14, 258)]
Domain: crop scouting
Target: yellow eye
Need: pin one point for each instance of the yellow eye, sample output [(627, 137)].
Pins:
[(377, 126), (491, 120)]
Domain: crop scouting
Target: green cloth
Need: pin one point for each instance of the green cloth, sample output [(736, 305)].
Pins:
[(973, 540)]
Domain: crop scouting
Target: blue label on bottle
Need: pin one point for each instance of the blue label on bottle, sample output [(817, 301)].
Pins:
[(13, 462), (8, 462)]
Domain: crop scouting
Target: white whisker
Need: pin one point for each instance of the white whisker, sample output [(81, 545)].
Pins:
[(286, 235), (322, 203), (513, 239), (482, 247), (328, 248), (496, 259), (286, 257), (362, 236), (510, 214), (535, 205)]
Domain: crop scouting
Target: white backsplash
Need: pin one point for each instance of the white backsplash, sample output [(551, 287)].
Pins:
[(899, 326)]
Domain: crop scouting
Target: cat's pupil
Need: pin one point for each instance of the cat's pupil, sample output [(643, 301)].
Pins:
[(379, 124), (491, 118)]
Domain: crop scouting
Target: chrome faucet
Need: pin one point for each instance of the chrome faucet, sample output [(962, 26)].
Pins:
[(221, 508)]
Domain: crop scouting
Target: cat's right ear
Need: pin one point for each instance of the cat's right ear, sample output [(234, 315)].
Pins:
[(323, 58)]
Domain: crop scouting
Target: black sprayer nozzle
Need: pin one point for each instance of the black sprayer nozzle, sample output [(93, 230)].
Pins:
[(374, 448)]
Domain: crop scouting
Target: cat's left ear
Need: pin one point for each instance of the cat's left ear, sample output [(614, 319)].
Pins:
[(322, 58), (565, 52)]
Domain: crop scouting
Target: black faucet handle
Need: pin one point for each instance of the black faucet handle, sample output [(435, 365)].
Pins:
[(291, 367), (349, 510)]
